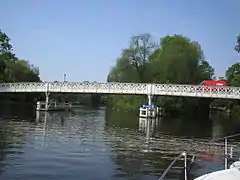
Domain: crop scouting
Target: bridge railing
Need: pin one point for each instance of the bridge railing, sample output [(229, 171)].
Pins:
[(125, 88)]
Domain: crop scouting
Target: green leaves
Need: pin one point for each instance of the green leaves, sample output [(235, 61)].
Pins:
[(206, 71), (179, 60), (233, 72), (11, 68), (176, 59), (233, 75), (235, 81), (133, 64), (237, 47), (5, 45)]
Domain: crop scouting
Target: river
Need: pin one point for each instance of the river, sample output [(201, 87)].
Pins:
[(94, 144)]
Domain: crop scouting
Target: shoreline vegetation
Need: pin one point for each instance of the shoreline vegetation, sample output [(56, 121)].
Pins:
[(172, 59)]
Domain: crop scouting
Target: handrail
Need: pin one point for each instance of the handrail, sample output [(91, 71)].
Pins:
[(226, 147), (229, 136), (173, 162), (185, 155)]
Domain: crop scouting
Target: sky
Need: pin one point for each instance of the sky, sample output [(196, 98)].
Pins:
[(83, 38)]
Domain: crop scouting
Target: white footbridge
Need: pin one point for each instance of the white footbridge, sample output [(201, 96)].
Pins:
[(124, 88)]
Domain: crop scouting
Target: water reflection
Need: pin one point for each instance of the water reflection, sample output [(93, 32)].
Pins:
[(163, 140), (185, 127), (149, 126), (59, 145), (115, 145), (10, 110), (223, 125), (40, 115)]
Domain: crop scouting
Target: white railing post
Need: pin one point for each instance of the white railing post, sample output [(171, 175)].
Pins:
[(47, 93), (150, 93), (149, 99), (226, 154), (185, 165)]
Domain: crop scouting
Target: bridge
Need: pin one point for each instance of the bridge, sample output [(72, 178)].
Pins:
[(226, 92)]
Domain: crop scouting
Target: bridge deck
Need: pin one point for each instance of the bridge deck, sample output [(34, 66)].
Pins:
[(126, 88)]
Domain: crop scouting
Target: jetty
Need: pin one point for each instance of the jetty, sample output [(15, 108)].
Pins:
[(53, 106)]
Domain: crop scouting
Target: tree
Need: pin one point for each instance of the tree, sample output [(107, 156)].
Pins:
[(131, 66), (5, 46), (123, 71), (235, 81), (179, 60), (11, 68), (232, 74), (233, 78), (138, 53), (206, 71), (14, 70), (237, 47), (22, 71), (5, 55)]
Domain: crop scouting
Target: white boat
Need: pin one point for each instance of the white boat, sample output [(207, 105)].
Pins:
[(233, 173)]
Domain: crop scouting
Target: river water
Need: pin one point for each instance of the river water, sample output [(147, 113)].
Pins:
[(95, 144)]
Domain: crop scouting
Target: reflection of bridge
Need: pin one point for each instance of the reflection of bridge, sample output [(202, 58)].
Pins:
[(125, 88)]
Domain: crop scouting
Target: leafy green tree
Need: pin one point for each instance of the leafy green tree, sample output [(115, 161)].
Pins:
[(176, 59), (233, 74), (11, 68), (132, 66), (138, 54), (14, 70), (206, 71), (5, 55), (22, 71), (123, 71), (237, 47), (5, 46), (233, 79), (179, 60)]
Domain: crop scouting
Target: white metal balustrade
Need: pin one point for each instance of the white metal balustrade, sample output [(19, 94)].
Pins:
[(125, 88)]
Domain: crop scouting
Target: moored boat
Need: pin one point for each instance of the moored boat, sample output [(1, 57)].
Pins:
[(233, 173)]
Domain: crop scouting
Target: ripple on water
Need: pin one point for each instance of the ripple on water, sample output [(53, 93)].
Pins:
[(82, 147)]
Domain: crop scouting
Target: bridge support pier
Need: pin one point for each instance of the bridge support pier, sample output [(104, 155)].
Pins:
[(47, 94), (150, 99)]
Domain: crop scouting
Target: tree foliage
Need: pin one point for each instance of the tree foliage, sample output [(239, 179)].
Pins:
[(123, 65), (138, 53), (233, 79), (233, 72), (179, 60), (14, 70), (237, 47), (176, 59), (233, 75), (11, 68), (133, 64)]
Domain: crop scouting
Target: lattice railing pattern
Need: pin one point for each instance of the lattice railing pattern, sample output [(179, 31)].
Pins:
[(197, 91), (125, 88)]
